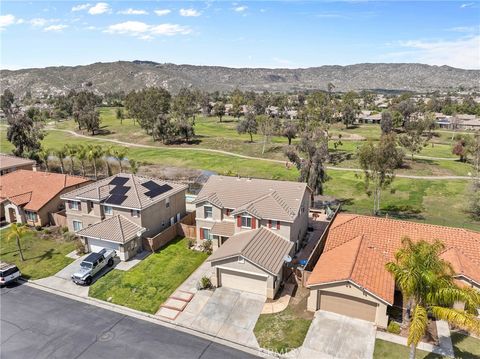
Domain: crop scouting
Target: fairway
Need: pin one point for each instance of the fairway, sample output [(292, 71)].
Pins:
[(432, 201)]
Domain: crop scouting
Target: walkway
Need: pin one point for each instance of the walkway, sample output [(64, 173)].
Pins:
[(281, 303), (129, 144)]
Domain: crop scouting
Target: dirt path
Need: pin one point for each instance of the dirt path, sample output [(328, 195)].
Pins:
[(138, 145)]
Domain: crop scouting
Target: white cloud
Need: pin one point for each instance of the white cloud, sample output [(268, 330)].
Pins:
[(240, 8), (466, 29), (81, 7), (99, 8), (7, 20), (41, 22), (189, 12), (462, 53), (162, 12), (131, 11), (55, 28), (145, 31), (470, 4)]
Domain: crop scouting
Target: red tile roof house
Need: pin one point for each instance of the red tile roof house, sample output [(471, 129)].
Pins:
[(116, 212), (10, 163), (350, 276), (29, 196), (254, 224)]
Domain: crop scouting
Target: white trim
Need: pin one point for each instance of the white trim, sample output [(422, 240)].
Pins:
[(246, 259), (359, 287), (243, 271)]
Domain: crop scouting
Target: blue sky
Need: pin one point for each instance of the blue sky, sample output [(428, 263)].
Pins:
[(240, 34)]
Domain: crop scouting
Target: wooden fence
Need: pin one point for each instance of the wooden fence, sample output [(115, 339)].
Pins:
[(58, 219), (185, 228)]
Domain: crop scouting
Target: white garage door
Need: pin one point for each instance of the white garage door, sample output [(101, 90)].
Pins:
[(243, 281), (97, 245)]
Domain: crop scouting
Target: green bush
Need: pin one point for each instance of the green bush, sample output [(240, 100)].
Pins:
[(207, 246), (205, 283), (393, 327)]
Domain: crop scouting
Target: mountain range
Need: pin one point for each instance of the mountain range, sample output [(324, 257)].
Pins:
[(134, 75)]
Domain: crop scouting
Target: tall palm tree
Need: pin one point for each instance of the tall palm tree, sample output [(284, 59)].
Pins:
[(94, 152), (120, 154), (43, 155), (107, 153), (133, 166), (426, 282), (82, 157), (71, 151), (61, 155), (17, 231)]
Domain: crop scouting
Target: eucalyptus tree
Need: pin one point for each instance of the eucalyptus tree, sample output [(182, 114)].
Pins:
[(248, 125), (61, 154)]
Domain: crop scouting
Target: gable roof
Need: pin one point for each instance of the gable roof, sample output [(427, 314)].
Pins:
[(358, 247), (9, 161), (260, 246), (278, 200), (33, 190), (116, 229), (127, 190)]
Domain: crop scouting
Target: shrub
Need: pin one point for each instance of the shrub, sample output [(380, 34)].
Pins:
[(190, 242), (38, 228), (79, 247), (207, 246), (68, 236), (64, 229), (204, 283), (393, 327)]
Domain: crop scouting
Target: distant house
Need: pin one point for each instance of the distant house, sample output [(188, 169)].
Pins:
[(9, 163), (254, 224), (117, 211), (30, 196), (350, 277)]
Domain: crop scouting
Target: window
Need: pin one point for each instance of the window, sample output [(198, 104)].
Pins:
[(205, 233), (75, 205), (207, 212), (167, 202), (273, 224), (246, 222), (31, 216), (77, 225), (228, 211), (107, 210), (135, 213), (178, 217)]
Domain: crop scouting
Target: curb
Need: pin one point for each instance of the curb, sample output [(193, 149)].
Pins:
[(259, 352)]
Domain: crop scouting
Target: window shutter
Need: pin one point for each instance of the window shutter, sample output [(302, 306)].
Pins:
[(239, 221), (278, 224), (79, 206), (269, 223), (254, 223), (70, 204), (201, 234)]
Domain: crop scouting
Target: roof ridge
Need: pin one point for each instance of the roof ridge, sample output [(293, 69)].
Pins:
[(132, 177), (121, 227), (356, 255)]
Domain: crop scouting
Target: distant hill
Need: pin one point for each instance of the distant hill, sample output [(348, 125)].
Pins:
[(127, 76)]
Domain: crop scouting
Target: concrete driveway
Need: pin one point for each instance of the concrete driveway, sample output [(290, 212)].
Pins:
[(226, 313), (336, 336), (62, 280)]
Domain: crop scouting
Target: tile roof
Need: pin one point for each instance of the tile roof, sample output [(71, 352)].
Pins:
[(9, 161), (127, 190), (278, 200), (358, 247), (224, 228), (116, 229), (260, 246), (35, 189)]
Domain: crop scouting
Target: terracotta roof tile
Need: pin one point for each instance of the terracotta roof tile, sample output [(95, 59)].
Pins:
[(376, 240), (42, 187), (9, 161)]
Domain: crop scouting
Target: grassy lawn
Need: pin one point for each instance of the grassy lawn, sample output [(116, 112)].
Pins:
[(432, 201), (44, 254), (388, 350), (146, 286), (280, 332), (465, 347)]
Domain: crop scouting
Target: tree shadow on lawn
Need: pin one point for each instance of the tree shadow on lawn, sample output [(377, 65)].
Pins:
[(402, 212)]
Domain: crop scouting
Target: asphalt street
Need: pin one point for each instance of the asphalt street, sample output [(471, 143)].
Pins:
[(37, 324)]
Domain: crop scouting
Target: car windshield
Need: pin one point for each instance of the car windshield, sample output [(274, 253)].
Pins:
[(86, 265)]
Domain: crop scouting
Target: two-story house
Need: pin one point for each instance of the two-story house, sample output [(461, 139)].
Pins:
[(118, 211), (254, 225)]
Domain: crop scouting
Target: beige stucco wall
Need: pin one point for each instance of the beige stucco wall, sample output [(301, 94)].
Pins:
[(353, 291)]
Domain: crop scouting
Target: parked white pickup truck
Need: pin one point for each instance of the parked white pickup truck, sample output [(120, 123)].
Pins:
[(93, 264)]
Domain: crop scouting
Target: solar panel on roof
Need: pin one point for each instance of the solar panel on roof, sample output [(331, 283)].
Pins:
[(154, 189), (118, 181), (120, 190), (116, 199)]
